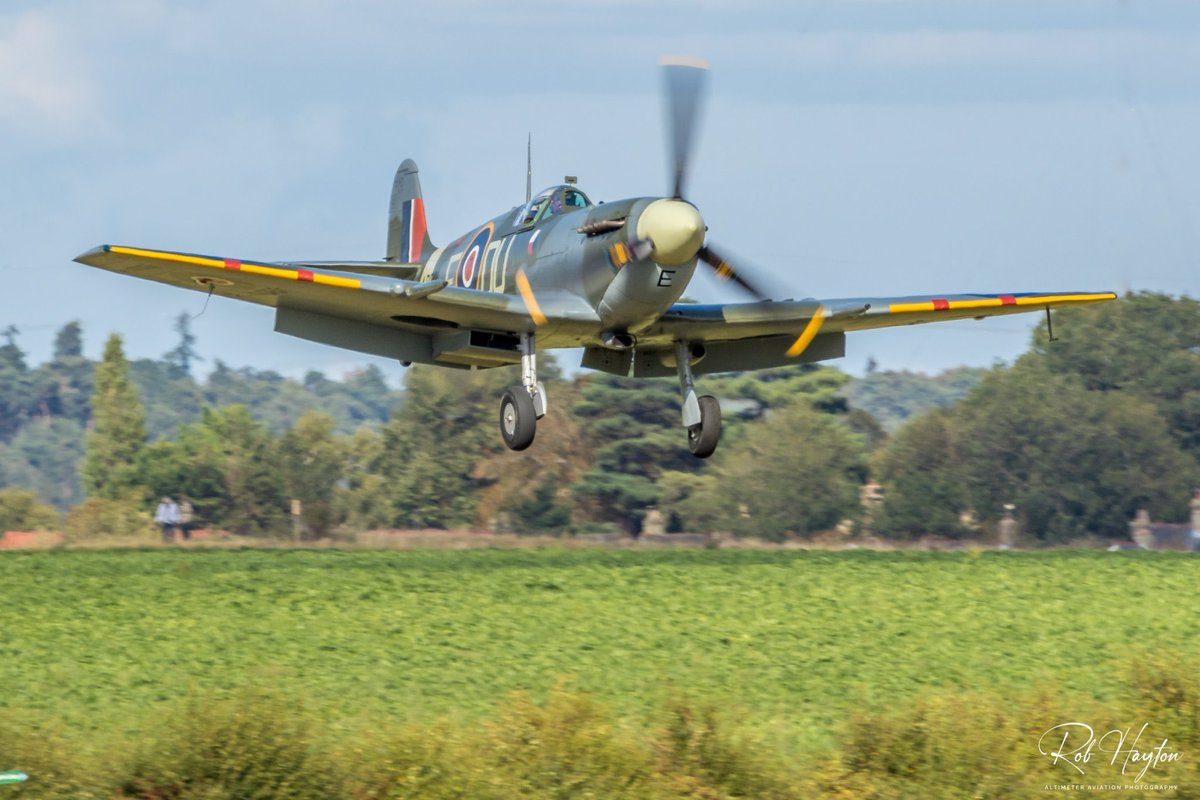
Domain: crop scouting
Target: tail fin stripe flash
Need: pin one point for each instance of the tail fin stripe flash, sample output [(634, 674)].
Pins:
[(414, 210)]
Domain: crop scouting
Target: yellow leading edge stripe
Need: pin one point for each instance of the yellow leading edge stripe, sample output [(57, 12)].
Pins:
[(808, 334), (531, 302), (996, 302), (243, 266)]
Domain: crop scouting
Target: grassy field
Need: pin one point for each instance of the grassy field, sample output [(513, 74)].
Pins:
[(791, 639)]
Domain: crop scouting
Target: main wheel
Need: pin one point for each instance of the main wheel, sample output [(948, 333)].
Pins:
[(703, 438), (518, 418)]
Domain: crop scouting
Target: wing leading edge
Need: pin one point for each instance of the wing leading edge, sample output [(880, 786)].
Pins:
[(746, 320), (343, 303), (380, 299), (385, 315), (744, 336)]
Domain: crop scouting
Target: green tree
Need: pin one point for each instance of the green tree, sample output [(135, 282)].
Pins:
[(312, 461), (170, 397), (796, 472), (813, 385), (63, 386), (273, 399), (364, 496), (68, 342), (10, 352), (361, 397), (636, 435), (180, 357), (893, 397), (429, 449), (257, 502), (866, 426), (20, 510), (117, 437), (542, 511), (1075, 462), (1145, 344), (44, 456), (16, 389), (922, 472), (193, 464)]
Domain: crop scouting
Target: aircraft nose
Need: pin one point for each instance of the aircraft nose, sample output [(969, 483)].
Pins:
[(675, 228)]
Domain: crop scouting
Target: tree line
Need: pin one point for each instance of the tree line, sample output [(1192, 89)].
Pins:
[(1078, 434), (44, 410)]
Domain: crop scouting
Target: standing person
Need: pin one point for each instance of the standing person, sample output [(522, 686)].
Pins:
[(185, 517), (167, 515)]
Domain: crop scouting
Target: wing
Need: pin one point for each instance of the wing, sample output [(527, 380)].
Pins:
[(759, 335), (374, 313)]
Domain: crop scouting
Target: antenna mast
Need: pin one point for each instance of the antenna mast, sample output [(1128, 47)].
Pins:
[(529, 168)]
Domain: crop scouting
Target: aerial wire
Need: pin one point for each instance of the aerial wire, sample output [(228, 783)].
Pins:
[(207, 297)]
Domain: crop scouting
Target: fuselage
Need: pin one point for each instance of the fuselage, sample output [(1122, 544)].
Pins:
[(561, 243)]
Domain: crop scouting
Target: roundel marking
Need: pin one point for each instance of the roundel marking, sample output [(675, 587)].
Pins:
[(468, 267), (473, 254)]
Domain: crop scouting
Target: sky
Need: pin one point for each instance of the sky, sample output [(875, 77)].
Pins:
[(846, 148)]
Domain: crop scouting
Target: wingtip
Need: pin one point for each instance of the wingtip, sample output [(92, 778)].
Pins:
[(99, 250)]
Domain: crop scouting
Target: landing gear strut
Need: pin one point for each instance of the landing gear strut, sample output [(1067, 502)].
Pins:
[(701, 415), (522, 406)]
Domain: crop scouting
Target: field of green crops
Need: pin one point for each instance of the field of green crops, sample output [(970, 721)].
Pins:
[(792, 639)]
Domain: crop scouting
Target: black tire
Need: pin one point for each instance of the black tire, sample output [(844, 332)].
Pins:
[(518, 420), (703, 438)]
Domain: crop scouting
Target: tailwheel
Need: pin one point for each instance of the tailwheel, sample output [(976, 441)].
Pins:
[(518, 418), (703, 438)]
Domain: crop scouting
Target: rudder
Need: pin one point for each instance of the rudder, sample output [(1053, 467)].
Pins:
[(408, 238)]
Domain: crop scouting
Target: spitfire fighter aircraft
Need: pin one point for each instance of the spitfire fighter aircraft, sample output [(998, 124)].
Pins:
[(561, 271)]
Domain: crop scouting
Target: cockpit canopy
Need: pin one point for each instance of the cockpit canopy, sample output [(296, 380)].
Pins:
[(555, 200)]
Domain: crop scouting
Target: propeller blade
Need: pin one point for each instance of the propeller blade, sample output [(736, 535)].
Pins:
[(683, 79), (725, 271)]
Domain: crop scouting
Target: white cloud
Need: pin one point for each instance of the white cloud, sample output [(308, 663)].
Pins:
[(44, 87)]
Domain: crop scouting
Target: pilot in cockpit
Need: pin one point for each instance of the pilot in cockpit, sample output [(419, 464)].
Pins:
[(559, 201), (532, 209)]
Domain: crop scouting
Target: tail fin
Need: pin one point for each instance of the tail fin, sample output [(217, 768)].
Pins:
[(408, 240)]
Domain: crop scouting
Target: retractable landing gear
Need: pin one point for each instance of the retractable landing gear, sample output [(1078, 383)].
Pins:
[(522, 406), (701, 415)]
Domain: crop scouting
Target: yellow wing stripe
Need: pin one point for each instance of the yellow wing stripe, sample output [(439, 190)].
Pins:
[(808, 334), (531, 302), (241, 266), (161, 256), (1065, 298), (995, 302)]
